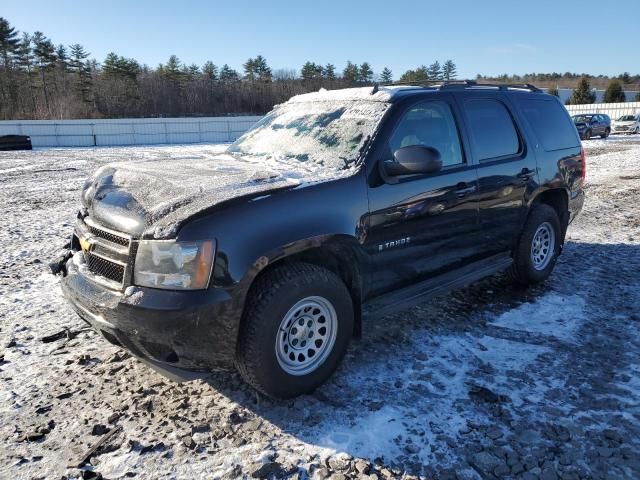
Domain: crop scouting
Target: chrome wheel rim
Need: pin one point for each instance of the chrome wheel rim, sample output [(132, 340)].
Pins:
[(543, 246), (306, 335)]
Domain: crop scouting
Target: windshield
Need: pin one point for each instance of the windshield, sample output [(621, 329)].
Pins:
[(626, 118), (325, 133), (582, 118)]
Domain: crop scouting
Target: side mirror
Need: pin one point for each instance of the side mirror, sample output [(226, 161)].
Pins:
[(593, 121), (413, 159)]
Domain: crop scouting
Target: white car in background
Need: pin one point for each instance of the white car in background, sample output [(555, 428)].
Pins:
[(626, 124)]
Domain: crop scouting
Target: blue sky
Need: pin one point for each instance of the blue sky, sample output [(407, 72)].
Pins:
[(481, 37)]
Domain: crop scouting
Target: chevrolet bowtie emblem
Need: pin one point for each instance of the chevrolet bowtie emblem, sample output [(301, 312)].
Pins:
[(85, 245)]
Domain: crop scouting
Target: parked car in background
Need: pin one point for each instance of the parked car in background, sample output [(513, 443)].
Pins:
[(592, 124), (15, 142), (626, 124), (336, 206)]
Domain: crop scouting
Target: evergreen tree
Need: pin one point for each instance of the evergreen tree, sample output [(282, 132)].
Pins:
[(554, 91), (449, 71), (614, 92), (435, 71), (62, 57), (24, 60), (210, 71), (582, 94), (257, 69), (45, 57), (228, 74), (311, 71), (127, 68), (420, 74), (351, 72), (263, 71), (330, 71), (386, 76), (173, 68), (9, 42), (82, 71), (365, 73)]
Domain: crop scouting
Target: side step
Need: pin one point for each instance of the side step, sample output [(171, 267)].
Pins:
[(420, 292)]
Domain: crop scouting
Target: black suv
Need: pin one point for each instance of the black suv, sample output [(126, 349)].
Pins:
[(337, 207), (592, 125)]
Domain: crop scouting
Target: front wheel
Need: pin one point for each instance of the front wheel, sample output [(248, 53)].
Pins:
[(295, 330), (536, 253), (606, 133), (587, 135), (636, 130)]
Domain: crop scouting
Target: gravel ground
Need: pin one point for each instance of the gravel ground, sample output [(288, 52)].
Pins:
[(489, 382)]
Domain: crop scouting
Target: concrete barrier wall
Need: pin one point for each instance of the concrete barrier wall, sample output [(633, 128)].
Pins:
[(138, 131), (614, 110)]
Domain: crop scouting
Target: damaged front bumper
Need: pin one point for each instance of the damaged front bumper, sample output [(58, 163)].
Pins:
[(177, 332)]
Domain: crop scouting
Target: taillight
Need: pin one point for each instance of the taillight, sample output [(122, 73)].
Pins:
[(583, 162)]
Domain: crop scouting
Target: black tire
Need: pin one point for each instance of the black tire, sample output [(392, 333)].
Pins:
[(523, 270), (606, 133), (587, 135), (269, 301), (636, 130)]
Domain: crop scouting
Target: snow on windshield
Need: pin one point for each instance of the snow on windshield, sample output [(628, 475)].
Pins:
[(329, 133)]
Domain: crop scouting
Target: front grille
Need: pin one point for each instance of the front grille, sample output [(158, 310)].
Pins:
[(105, 268), (108, 236), (107, 253)]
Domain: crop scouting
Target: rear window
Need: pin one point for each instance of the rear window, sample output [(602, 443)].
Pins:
[(551, 123), (492, 130)]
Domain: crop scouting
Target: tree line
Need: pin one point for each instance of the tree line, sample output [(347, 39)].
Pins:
[(42, 80)]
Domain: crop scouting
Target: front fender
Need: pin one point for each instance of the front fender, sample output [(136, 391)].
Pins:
[(255, 233)]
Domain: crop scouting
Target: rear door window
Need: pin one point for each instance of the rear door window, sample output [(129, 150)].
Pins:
[(550, 122), (493, 133)]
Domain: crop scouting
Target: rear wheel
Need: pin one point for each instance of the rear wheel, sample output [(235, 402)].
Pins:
[(538, 248), (606, 133), (295, 330)]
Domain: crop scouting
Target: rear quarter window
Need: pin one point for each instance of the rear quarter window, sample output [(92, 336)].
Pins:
[(550, 122)]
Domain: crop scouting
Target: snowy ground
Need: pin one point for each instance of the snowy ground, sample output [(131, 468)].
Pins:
[(490, 382)]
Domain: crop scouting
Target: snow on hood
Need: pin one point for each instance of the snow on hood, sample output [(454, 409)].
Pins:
[(153, 197)]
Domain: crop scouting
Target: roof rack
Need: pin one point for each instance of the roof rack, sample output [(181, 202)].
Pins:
[(463, 84)]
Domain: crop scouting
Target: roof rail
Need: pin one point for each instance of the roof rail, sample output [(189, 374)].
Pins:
[(453, 84)]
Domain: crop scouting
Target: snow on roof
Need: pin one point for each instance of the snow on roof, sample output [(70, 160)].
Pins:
[(384, 94)]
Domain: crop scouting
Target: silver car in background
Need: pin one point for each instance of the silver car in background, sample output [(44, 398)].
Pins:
[(626, 124)]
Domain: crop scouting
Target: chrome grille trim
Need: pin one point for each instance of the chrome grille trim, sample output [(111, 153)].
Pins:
[(109, 256)]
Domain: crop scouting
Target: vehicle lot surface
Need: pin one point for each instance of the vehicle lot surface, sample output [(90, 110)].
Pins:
[(490, 382)]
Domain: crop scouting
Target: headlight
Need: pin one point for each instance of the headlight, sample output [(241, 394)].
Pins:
[(173, 265)]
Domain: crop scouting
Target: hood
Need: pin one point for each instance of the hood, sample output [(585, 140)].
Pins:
[(624, 122), (153, 198)]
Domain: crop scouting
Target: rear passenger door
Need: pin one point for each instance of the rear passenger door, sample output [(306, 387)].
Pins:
[(507, 169)]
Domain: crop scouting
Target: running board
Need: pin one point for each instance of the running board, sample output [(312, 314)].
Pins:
[(411, 296)]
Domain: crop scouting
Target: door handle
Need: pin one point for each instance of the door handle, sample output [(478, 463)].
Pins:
[(526, 173), (464, 189)]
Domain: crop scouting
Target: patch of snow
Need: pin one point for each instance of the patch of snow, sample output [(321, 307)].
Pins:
[(555, 315)]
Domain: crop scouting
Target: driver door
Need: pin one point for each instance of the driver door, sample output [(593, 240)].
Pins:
[(423, 225)]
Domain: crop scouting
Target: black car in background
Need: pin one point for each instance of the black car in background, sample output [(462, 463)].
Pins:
[(15, 142), (592, 124)]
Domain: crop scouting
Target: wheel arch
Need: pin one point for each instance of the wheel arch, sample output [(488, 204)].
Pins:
[(558, 199), (340, 254)]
